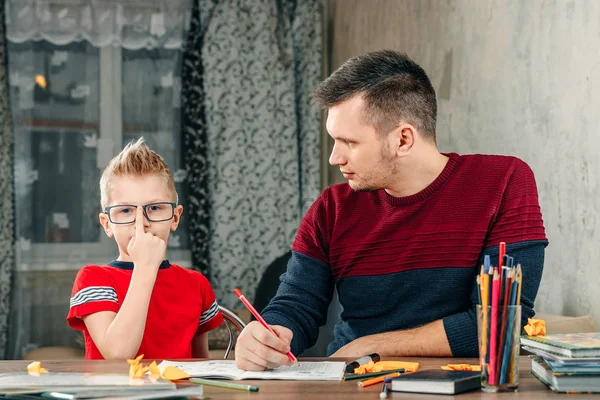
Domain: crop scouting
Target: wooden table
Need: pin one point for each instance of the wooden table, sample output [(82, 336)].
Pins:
[(529, 386)]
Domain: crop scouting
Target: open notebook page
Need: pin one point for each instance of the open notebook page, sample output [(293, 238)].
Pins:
[(226, 369)]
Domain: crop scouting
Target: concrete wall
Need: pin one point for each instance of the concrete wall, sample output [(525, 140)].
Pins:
[(512, 77)]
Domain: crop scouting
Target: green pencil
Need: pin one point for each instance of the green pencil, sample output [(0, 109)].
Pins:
[(350, 377), (226, 385)]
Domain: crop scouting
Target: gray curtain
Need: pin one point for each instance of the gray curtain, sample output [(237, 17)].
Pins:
[(193, 130), (7, 260), (260, 59)]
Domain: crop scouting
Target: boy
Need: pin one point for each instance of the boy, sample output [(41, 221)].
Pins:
[(140, 303)]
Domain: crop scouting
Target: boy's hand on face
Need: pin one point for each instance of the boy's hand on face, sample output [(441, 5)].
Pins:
[(145, 249)]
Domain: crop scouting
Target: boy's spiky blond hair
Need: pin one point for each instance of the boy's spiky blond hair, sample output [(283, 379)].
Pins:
[(136, 159)]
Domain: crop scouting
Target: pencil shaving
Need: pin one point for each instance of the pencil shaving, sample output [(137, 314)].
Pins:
[(137, 370), (35, 368)]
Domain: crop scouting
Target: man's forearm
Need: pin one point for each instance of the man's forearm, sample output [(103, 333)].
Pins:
[(425, 341)]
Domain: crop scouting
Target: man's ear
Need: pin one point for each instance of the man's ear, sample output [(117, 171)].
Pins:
[(406, 136), (105, 224), (176, 217)]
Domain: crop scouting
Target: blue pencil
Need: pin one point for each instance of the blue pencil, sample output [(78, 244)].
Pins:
[(509, 332)]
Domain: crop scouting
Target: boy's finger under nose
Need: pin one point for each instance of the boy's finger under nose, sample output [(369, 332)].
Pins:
[(139, 220)]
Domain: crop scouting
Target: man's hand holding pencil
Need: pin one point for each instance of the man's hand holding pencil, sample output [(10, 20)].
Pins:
[(261, 346), (258, 349)]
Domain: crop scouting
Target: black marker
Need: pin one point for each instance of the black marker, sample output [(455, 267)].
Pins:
[(362, 361)]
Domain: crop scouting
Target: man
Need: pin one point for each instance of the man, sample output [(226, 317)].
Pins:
[(403, 240)]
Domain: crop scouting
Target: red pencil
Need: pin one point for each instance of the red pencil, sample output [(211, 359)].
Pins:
[(259, 318), (501, 254)]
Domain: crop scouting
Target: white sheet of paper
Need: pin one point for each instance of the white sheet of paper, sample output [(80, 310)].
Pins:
[(202, 369), (304, 371)]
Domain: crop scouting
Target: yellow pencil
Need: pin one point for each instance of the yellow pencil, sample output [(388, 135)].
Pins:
[(484, 311), (520, 278), (379, 379)]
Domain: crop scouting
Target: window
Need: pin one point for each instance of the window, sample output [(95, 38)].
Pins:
[(74, 107)]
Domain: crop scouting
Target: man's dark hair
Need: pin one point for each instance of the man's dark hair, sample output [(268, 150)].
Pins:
[(394, 87)]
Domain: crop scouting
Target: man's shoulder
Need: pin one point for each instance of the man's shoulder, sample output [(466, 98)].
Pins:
[(492, 159), (493, 164)]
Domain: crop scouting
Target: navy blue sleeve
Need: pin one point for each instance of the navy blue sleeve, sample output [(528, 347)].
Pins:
[(302, 300), (461, 328)]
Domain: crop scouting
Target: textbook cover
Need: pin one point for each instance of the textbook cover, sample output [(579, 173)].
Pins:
[(567, 344)]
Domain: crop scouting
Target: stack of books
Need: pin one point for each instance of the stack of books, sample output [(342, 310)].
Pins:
[(566, 363)]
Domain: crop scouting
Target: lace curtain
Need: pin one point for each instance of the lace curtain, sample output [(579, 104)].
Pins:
[(131, 24), (254, 64)]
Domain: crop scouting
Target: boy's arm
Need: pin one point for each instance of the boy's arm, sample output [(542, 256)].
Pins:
[(210, 317), (119, 335), (200, 345)]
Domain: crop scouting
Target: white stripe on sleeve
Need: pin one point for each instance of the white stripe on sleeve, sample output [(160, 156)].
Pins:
[(209, 314), (94, 293)]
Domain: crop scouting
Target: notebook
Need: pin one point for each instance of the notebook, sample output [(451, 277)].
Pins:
[(226, 369), (563, 382), (567, 344), (437, 381)]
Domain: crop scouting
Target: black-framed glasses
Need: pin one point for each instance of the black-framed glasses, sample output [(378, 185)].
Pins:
[(155, 212)]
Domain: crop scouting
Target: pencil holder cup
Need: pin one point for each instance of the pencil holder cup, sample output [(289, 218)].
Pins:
[(499, 330)]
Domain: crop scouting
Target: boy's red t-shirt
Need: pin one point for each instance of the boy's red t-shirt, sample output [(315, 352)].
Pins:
[(182, 305)]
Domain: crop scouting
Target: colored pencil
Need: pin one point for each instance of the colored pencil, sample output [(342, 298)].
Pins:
[(484, 311), (379, 379), (350, 377), (226, 385)]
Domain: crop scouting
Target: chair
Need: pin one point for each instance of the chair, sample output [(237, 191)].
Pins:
[(55, 353), (269, 282), (231, 319)]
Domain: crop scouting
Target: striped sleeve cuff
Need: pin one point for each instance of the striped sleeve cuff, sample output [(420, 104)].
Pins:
[(93, 294), (209, 314), (90, 300), (210, 318)]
